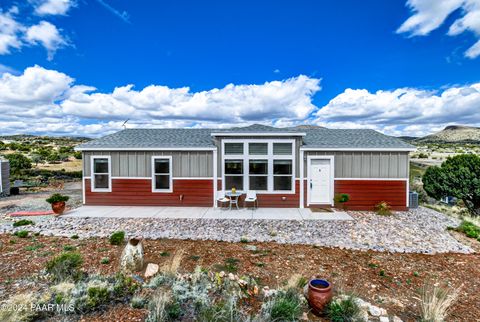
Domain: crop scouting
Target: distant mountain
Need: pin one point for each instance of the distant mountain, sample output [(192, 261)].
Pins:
[(453, 134), (408, 138), (308, 126)]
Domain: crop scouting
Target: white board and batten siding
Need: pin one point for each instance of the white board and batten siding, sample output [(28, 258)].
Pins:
[(138, 164), (356, 164)]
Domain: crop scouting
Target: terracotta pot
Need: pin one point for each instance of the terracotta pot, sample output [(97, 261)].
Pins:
[(58, 207), (318, 294)]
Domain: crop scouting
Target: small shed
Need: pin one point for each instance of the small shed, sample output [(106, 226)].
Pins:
[(4, 177)]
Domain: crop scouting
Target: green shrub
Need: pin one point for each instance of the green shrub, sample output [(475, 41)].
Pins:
[(65, 266), (284, 306), (344, 310), (231, 265), (105, 260), (383, 209), (469, 229), (74, 237), (23, 222), (69, 248), (21, 233), (97, 296), (341, 197), (117, 238), (57, 197)]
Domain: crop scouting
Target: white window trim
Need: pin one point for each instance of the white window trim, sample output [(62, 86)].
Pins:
[(269, 157), (92, 173), (332, 176), (164, 157)]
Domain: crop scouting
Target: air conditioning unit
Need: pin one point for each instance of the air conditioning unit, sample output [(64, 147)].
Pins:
[(413, 200)]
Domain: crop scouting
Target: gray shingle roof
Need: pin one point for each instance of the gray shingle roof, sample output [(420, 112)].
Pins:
[(202, 138)]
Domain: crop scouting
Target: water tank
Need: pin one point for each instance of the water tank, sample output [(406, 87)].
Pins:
[(413, 199), (4, 177)]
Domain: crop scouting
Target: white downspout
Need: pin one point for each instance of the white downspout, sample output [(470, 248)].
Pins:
[(301, 180), (215, 178), (1, 178)]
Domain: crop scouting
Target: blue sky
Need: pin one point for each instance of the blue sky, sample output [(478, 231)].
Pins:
[(394, 66)]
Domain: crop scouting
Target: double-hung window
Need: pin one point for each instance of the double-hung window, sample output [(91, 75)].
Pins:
[(162, 174), (101, 174), (262, 165)]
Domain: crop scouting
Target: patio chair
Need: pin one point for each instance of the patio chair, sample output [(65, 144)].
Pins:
[(222, 199), (251, 197)]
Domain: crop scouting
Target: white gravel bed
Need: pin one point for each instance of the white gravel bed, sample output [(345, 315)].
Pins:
[(418, 231)]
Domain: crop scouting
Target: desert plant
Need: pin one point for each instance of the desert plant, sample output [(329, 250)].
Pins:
[(171, 267), (18, 308), (23, 222), (458, 176), (345, 309), (21, 233), (97, 296), (469, 229), (65, 266), (57, 197), (138, 302), (285, 305), (117, 238), (435, 302), (105, 260), (222, 311), (158, 307), (383, 209)]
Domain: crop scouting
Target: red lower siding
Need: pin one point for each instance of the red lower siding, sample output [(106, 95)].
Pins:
[(277, 200), (138, 192), (365, 194)]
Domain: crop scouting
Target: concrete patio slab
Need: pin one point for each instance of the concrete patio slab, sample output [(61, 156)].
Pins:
[(203, 213)]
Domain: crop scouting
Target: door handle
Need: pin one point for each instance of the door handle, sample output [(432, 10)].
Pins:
[(311, 186)]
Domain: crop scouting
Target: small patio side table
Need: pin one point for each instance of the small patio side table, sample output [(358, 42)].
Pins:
[(234, 197)]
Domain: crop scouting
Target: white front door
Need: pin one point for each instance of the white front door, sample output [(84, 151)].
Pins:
[(320, 181)]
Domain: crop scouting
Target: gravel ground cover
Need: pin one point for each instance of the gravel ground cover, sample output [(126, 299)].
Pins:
[(418, 231)]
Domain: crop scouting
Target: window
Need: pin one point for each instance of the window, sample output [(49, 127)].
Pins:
[(264, 165), (234, 148), (161, 174), (234, 174), (258, 148), (282, 175), (282, 148), (258, 174), (101, 178)]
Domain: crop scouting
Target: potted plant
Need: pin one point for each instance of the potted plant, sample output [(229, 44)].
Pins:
[(342, 198), (58, 203)]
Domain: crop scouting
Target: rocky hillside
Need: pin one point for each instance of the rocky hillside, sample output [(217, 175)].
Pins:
[(453, 134)]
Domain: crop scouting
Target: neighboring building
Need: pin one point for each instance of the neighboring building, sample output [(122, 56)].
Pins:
[(4, 177), (186, 167)]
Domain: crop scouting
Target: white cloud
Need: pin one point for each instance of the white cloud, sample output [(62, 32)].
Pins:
[(47, 35), (15, 35), (48, 101), (406, 111), (429, 15), (10, 31), (54, 7)]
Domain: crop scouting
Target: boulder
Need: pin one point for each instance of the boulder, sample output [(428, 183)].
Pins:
[(152, 270)]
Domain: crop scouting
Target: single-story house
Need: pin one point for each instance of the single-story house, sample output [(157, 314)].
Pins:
[(302, 166)]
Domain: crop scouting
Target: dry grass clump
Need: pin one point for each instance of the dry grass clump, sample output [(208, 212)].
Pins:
[(171, 267), (435, 302), (18, 308)]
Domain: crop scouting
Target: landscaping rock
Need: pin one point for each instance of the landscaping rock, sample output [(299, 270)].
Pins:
[(251, 248), (151, 270), (384, 319)]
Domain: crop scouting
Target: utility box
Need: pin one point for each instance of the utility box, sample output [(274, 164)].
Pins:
[(413, 200), (4, 177)]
